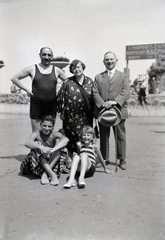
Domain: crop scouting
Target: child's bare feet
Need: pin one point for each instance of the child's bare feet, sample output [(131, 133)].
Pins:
[(44, 179), (54, 180)]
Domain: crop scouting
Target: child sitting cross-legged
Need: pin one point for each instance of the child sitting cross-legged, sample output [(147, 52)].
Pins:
[(84, 163), (45, 145)]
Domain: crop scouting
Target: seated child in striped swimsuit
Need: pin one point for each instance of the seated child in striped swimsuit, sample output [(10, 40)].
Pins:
[(84, 163)]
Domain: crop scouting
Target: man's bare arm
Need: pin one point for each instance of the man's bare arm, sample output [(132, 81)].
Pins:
[(33, 144), (63, 141), (26, 72), (61, 74)]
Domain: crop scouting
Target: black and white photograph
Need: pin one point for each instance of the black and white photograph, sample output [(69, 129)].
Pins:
[(82, 120)]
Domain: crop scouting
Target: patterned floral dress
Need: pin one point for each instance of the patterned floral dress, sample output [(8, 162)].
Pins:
[(74, 109)]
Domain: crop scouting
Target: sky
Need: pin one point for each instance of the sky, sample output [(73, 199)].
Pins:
[(78, 29)]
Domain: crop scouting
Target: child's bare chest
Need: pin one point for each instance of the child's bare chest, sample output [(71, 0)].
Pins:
[(47, 140)]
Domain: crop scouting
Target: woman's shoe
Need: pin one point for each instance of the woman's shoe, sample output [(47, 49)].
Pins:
[(69, 185), (82, 184)]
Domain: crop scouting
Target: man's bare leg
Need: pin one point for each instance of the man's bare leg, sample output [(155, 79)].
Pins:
[(35, 124)]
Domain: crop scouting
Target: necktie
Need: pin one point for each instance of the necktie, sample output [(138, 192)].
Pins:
[(110, 75)]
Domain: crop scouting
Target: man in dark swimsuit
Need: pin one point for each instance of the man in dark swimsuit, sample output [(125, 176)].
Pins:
[(44, 80)]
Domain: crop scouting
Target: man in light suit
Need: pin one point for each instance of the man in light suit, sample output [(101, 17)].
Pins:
[(111, 88)]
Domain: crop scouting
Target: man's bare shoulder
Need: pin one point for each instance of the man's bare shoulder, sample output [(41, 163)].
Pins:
[(35, 134), (60, 73), (57, 134), (29, 69), (58, 70)]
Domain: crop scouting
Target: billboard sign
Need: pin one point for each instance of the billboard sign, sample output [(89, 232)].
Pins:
[(145, 51)]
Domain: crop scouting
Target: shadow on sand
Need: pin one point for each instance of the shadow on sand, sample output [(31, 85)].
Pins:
[(20, 158)]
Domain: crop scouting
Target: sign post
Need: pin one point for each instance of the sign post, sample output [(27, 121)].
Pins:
[(144, 51)]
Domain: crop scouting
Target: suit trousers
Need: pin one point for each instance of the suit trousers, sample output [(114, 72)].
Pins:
[(121, 140)]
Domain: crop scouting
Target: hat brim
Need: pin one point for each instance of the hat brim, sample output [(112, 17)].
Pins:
[(111, 123)]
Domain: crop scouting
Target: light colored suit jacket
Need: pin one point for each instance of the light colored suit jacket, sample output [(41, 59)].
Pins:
[(117, 88)]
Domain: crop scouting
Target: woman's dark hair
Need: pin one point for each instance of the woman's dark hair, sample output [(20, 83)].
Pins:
[(47, 118), (74, 63)]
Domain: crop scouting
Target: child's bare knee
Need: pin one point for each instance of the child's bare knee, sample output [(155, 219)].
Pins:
[(83, 155)]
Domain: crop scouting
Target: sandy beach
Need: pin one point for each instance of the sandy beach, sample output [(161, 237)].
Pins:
[(127, 205)]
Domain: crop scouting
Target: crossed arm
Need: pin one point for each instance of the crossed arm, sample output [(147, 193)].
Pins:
[(34, 143)]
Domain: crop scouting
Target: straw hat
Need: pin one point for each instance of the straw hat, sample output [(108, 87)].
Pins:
[(109, 117)]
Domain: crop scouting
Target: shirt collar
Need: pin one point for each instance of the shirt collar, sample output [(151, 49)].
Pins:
[(111, 72)]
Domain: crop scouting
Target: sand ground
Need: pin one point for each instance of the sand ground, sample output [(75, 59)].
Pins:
[(127, 205)]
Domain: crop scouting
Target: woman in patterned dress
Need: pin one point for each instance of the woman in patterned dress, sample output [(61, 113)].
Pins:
[(74, 109)]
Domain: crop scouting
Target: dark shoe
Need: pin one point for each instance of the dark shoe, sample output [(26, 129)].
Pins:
[(123, 164), (107, 162)]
